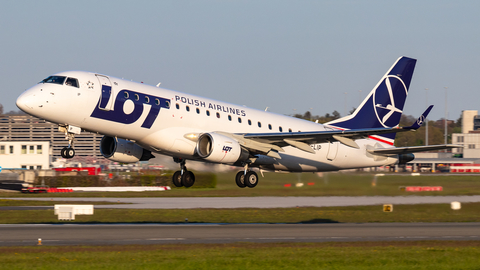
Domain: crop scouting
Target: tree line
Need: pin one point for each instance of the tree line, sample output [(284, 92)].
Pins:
[(10, 112)]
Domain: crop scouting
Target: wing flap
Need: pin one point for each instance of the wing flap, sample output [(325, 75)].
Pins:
[(347, 141), (300, 145), (411, 149)]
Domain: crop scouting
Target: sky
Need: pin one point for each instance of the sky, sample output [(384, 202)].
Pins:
[(291, 56)]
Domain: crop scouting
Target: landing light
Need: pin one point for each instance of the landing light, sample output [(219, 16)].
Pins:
[(191, 136)]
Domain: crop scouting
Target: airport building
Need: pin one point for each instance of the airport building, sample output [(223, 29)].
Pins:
[(25, 128), (24, 155), (470, 136)]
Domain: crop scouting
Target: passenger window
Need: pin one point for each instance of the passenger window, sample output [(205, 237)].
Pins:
[(249, 122), (177, 106), (269, 126), (125, 94), (218, 115), (72, 82), (289, 130), (167, 103), (187, 108), (137, 97), (239, 120), (259, 124), (230, 118), (157, 102), (198, 111), (280, 129), (208, 113), (147, 99)]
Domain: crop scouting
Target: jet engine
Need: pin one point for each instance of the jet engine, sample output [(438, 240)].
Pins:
[(123, 151), (405, 158), (219, 148)]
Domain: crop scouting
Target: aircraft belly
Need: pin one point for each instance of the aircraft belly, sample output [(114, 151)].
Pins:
[(345, 157), (171, 140)]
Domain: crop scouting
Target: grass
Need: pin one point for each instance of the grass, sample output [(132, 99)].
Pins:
[(352, 214), (330, 184), (334, 255), (358, 255)]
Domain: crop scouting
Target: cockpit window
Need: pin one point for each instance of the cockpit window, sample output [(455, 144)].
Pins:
[(54, 79), (72, 82)]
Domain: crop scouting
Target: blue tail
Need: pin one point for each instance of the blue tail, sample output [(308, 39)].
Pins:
[(383, 107)]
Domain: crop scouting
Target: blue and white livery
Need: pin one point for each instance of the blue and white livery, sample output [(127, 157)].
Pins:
[(138, 120)]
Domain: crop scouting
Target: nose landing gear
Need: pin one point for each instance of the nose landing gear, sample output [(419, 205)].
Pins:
[(70, 131), (67, 152)]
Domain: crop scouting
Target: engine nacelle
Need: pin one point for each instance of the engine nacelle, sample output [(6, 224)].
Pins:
[(219, 148), (123, 151), (405, 158)]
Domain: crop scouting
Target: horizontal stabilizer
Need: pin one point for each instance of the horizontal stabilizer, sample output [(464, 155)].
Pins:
[(412, 149)]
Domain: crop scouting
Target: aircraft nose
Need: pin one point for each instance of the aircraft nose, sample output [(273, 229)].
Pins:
[(24, 101)]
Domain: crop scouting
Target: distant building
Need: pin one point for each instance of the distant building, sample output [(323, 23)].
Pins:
[(25, 155), (476, 123), (441, 123), (26, 128), (470, 136), (470, 142), (468, 120)]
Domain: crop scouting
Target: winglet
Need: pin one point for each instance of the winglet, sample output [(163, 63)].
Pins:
[(421, 119)]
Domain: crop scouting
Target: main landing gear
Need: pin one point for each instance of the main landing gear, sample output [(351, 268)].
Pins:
[(246, 178), (183, 178)]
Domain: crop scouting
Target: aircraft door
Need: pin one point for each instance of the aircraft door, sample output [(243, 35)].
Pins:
[(332, 150), (107, 96)]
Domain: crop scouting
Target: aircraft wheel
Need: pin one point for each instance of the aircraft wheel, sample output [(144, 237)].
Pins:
[(70, 152), (240, 179), (188, 179), (177, 179), (67, 152), (63, 152), (251, 179)]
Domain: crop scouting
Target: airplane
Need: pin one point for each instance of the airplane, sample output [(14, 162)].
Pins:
[(138, 119)]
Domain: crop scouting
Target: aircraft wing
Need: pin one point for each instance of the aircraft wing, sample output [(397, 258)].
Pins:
[(266, 142), (412, 149), (321, 136)]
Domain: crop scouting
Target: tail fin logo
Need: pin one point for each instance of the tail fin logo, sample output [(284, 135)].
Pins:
[(391, 89), (421, 120)]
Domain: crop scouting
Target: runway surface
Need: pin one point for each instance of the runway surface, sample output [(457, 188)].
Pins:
[(106, 234), (122, 234), (259, 202)]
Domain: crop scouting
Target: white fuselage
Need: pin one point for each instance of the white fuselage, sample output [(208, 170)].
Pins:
[(159, 119)]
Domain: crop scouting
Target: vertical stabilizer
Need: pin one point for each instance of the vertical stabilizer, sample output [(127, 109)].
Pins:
[(383, 106)]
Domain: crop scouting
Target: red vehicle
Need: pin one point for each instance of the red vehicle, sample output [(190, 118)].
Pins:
[(90, 170), (36, 189)]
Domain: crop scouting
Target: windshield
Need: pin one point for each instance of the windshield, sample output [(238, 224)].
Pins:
[(54, 79)]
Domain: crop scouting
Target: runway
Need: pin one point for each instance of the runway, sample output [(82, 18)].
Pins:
[(123, 234), (259, 202), (110, 234)]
